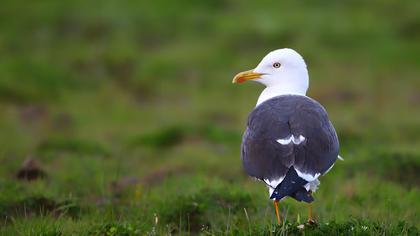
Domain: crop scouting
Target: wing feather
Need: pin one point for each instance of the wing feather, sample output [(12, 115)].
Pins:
[(278, 118)]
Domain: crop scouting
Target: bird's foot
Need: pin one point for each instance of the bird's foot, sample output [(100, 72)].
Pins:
[(312, 222)]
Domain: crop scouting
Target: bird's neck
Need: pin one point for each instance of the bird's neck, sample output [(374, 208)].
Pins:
[(274, 91)]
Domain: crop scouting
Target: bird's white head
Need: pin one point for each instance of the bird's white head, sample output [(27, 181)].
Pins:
[(282, 71)]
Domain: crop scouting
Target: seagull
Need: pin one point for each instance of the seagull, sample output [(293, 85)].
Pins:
[(289, 141)]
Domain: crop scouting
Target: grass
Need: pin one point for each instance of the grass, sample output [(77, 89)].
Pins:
[(129, 110)]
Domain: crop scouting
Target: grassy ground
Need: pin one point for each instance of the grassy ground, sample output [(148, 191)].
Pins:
[(129, 112)]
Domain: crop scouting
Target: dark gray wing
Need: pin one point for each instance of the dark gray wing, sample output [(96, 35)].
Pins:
[(282, 117)]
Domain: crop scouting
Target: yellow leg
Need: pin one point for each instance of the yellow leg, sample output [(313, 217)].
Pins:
[(310, 218), (276, 205)]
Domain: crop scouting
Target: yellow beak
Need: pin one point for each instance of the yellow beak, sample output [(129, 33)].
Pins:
[(246, 75)]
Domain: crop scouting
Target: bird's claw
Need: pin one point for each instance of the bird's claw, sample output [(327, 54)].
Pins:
[(312, 222)]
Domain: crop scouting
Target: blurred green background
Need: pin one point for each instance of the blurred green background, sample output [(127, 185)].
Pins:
[(126, 111)]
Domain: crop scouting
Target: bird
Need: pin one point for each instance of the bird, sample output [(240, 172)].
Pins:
[(289, 141)]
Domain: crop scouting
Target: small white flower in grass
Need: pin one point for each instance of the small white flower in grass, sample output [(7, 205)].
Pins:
[(364, 227), (301, 226)]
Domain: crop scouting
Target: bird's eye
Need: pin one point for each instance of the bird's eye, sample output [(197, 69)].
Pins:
[(276, 65)]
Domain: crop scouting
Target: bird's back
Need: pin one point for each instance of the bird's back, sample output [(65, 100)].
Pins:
[(286, 131)]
